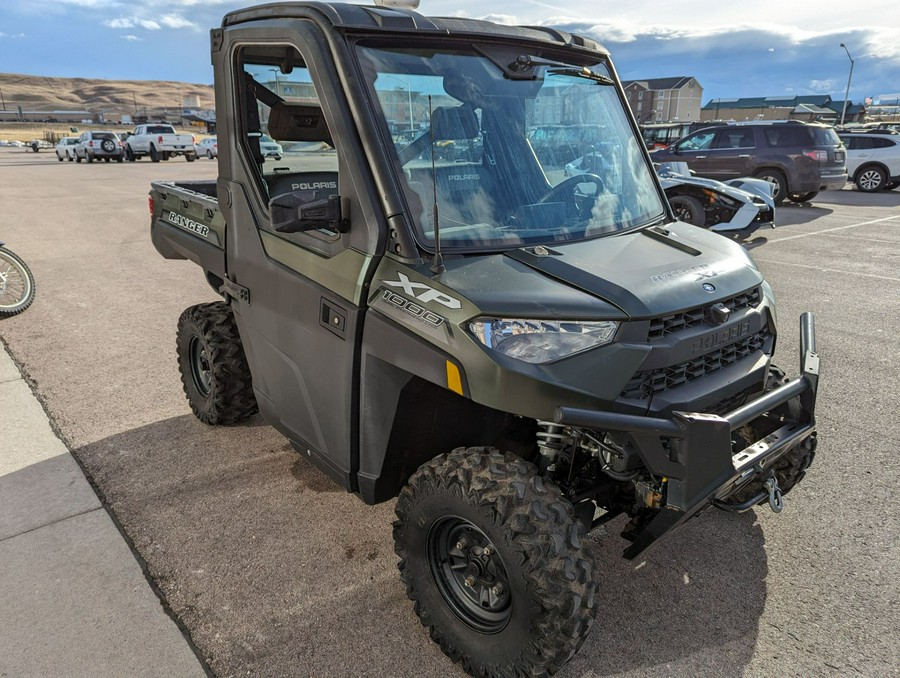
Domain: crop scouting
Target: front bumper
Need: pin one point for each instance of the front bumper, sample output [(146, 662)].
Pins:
[(697, 459)]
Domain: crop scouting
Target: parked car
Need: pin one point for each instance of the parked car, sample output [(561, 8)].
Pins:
[(873, 160), (65, 149), (160, 141), (270, 148), (208, 147), (799, 159), (738, 207), (99, 145)]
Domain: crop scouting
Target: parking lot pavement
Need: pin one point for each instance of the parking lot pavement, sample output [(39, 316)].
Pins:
[(275, 572), (75, 601)]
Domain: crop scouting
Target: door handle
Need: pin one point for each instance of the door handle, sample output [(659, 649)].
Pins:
[(744, 156), (699, 157)]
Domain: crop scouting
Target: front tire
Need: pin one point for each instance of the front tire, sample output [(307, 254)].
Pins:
[(16, 284), (214, 370), (495, 562), (871, 179), (778, 182), (688, 209)]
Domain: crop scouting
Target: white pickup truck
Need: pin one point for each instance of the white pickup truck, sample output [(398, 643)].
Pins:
[(160, 142)]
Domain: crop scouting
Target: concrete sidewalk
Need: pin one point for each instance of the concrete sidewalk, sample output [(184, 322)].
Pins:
[(73, 598)]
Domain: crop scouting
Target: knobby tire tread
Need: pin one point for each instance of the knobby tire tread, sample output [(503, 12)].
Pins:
[(541, 524), (231, 397)]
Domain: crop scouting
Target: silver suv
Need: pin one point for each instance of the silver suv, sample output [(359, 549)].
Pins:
[(873, 160), (99, 145), (799, 159)]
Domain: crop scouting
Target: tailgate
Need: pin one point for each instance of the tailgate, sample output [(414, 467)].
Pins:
[(187, 223)]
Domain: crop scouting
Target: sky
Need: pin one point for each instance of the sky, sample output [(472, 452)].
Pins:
[(734, 49)]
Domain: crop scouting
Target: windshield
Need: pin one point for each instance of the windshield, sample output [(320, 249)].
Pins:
[(504, 161)]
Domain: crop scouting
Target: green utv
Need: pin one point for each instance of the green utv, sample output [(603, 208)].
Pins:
[(418, 298)]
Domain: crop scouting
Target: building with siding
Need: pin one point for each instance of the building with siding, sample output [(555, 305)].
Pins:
[(664, 99)]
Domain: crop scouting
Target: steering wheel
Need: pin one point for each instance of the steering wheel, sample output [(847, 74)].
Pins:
[(566, 192)]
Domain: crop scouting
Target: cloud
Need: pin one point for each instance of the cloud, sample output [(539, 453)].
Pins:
[(506, 19), (12, 36), (121, 22), (148, 24), (823, 86), (176, 21), (131, 38)]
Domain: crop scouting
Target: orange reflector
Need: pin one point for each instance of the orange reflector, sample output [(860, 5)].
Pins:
[(454, 381)]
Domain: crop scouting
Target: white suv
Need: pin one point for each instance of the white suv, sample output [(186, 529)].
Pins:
[(873, 160)]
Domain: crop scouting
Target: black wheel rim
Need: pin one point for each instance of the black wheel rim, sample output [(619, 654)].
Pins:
[(683, 212), (200, 371), (470, 575)]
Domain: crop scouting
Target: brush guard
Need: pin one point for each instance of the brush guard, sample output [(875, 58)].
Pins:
[(699, 465)]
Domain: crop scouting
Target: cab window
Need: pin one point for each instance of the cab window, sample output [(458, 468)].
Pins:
[(282, 131)]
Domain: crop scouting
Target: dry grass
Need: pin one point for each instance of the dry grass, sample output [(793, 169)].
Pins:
[(110, 97)]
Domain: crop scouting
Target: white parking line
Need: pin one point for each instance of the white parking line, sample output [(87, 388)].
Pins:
[(861, 238), (826, 270), (830, 230)]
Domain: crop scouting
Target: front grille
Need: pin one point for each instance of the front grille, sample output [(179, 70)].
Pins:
[(647, 383), (670, 324)]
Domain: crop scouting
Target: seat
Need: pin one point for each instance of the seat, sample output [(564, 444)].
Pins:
[(296, 122)]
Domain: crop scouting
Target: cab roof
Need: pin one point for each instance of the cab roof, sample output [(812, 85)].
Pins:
[(371, 19)]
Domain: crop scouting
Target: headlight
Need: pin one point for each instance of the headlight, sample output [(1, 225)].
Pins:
[(541, 341)]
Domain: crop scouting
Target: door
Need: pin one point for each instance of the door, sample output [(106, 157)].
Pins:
[(303, 309), (731, 153), (694, 150)]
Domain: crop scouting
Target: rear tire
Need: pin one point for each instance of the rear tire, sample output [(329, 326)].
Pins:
[(88, 157), (688, 209), (802, 197), (16, 284), (190, 157), (870, 179), (209, 154), (214, 370), (778, 182), (495, 562), (154, 154)]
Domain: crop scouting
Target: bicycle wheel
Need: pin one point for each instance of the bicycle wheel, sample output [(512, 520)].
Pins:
[(16, 284)]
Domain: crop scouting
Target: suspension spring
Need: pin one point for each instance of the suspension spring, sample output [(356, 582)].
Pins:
[(552, 439)]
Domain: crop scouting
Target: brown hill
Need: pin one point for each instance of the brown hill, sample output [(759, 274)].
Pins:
[(37, 93)]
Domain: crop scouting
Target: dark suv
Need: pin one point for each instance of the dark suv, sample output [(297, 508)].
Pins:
[(799, 159)]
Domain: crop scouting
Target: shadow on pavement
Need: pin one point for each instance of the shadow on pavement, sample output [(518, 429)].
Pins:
[(792, 214), (276, 571)]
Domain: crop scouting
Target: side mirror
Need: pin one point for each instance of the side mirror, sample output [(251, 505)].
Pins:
[(308, 211)]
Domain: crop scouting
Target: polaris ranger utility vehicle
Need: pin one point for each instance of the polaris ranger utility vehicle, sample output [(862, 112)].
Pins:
[(426, 310)]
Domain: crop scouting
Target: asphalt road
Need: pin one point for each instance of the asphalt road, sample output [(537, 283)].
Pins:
[(274, 571)]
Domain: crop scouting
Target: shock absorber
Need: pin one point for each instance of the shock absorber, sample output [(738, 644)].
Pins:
[(551, 440)]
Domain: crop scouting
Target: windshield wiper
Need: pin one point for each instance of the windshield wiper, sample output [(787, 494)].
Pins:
[(583, 72), (523, 67)]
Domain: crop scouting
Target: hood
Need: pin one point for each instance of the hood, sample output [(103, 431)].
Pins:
[(652, 271)]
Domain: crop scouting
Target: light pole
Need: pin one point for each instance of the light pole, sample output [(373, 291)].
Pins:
[(277, 84), (408, 94), (849, 77)]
